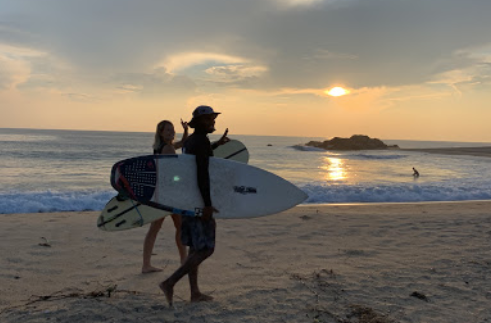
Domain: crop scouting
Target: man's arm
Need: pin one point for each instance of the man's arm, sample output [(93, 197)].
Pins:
[(202, 164), (202, 152), (223, 140)]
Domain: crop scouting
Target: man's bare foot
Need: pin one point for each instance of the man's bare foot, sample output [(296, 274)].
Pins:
[(201, 298), (168, 291), (150, 269)]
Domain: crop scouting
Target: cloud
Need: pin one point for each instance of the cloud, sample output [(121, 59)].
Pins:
[(221, 45), (297, 3), (181, 61), (214, 68), (157, 83), (394, 42), (327, 54), (11, 72), (235, 74), (465, 69), (81, 97), (15, 64)]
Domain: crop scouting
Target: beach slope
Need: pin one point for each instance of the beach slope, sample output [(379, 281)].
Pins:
[(425, 262)]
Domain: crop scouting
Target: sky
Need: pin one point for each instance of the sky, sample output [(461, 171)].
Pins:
[(410, 69)]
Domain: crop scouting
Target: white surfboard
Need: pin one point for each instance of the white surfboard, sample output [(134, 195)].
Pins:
[(168, 182), (233, 150), (122, 213)]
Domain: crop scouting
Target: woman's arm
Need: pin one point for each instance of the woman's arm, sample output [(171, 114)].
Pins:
[(179, 144)]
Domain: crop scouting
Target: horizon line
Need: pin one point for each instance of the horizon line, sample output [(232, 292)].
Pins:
[(252, 135)]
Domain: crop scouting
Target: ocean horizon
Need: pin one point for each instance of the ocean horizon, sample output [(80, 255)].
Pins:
[(68, 170)]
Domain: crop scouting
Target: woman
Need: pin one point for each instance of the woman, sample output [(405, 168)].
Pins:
[(164, 144)]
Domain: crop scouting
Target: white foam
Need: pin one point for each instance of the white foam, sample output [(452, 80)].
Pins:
[(373, 157), (319, 193), (50, 201), (307, 148)]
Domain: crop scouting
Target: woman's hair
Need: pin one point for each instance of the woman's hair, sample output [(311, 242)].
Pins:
[(158, 143)]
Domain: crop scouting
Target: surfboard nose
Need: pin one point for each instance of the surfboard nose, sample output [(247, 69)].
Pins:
[(304, 197)]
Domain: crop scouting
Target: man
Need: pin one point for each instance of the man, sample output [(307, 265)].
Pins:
[(198, 232)]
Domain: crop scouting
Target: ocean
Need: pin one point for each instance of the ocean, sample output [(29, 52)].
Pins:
[(65, 170)]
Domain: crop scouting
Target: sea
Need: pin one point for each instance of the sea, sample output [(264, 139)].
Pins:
[(66, 170)]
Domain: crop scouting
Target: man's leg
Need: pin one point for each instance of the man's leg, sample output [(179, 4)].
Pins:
[(196, 295), (190, 266)]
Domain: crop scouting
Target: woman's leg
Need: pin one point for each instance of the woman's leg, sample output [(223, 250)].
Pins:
[(148, 246)]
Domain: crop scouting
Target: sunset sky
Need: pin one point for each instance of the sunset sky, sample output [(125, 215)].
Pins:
[(403, 69)]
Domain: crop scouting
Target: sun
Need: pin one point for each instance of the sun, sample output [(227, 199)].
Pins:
[(337, 91)]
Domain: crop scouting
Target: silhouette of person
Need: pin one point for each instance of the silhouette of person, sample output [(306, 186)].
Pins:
[(198, 232)]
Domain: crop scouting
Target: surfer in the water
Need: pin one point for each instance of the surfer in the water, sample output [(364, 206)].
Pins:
[(198, 232), (415, 172), (164, 144)]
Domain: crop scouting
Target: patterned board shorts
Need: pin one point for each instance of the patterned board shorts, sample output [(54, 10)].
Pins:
[(198, 234)]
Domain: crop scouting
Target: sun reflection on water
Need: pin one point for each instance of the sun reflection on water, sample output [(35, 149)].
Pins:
[(335, 169)]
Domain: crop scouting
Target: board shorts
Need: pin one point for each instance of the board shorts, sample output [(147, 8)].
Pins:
[(198, 234)]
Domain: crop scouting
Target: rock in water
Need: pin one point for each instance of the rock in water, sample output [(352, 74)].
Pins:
[(355, 142)]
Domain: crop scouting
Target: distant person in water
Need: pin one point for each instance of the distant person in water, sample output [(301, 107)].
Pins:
[(164, 144), (416, 173), (198, 232)]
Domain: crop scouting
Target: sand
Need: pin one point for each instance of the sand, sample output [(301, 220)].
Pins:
[(421, 262)]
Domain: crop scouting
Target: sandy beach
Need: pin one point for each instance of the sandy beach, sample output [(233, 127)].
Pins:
[(425, 262)]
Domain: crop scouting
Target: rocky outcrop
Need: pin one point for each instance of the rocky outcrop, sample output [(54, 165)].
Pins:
[(356, 142)]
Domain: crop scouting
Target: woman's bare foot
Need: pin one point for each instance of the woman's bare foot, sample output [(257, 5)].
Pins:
[(201, 298), (150, 269), (168, 291)]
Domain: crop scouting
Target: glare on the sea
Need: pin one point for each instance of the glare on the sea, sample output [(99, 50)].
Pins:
[(335, 168)]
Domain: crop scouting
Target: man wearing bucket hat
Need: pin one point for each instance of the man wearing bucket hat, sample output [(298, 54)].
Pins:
[(198, 232)]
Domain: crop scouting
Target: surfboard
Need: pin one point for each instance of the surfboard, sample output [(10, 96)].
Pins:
[(122, 213), (233, 150), (169, 183)]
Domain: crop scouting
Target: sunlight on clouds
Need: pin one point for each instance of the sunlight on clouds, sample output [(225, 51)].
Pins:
[(365, 100), (328, 54), (305, 3), (128, 88), (81, 97), (378, 99), (233, 73), (12, 72), (215, 68), (368, 100), (19, 52), (14, 65), (298, 3), (185, 60), (337, 91), (474, 74), (30, 69)]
